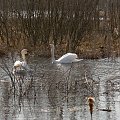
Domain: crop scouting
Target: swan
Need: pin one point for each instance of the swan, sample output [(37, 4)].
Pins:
[(20, 68), (67, 58)]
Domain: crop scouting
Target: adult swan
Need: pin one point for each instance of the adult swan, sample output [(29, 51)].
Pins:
[(20, 68), (67, 58)]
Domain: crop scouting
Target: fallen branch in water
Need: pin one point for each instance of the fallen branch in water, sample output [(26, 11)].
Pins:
[(108, 110)]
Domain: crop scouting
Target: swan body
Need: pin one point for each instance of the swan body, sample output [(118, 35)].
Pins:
[(67, 58), (20, 68)]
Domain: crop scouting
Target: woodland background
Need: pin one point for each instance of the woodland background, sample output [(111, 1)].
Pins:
[(91, 28)]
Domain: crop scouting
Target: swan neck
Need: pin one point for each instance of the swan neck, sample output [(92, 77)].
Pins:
[(24, 57), (52, 54)]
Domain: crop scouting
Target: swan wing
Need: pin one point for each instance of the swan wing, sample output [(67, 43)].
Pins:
[(17, 64), (67, 58), (21, 65), (25, 66), (20, 68)]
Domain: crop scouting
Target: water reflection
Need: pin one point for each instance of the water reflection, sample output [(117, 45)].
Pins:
[(59, 92)]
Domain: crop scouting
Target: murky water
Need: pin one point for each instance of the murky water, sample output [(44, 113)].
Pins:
[(59, 92)]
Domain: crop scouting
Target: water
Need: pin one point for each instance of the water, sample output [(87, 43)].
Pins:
[(59, 92)]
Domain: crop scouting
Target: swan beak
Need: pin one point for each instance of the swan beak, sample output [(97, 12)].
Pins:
[(27, 53)]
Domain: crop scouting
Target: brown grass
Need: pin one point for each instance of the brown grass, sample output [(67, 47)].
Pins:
[(90, 47)]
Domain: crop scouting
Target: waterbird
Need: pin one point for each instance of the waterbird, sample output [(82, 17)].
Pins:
[(91, 104), (20, 68), (67, 58)]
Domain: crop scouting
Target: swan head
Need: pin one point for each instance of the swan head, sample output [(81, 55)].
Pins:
[(52, 45), (24, 51)]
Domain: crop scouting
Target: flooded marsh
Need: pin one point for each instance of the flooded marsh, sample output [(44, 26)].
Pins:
[(60, 91)]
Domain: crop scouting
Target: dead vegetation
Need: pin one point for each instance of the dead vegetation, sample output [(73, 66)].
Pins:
[(82, 27)]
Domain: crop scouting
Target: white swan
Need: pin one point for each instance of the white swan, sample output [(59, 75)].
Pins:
[(67, 58), (20, 68)]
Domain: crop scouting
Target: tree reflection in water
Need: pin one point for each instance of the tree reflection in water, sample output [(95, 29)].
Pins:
[(59, 92)]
